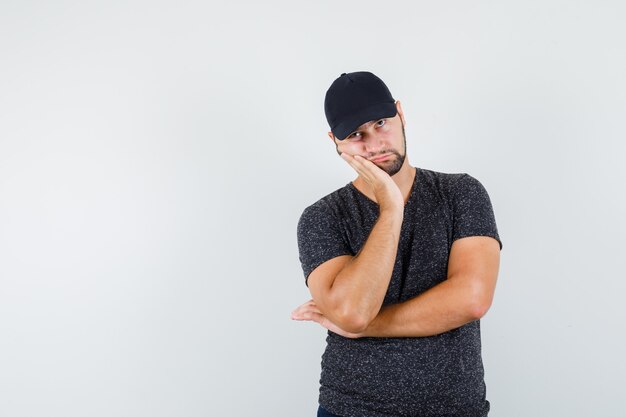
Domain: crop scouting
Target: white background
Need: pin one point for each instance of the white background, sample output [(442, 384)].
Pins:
[(155, 158)]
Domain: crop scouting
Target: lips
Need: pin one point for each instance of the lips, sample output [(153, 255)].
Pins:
[(381, 158)]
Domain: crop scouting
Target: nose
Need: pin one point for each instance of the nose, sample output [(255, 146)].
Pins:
[(374, 144)]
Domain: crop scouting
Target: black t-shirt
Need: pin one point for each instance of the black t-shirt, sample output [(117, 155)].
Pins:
[(438, 375)]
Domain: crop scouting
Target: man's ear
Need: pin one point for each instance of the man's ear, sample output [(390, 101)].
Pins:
[(331, 136), (399, 107)]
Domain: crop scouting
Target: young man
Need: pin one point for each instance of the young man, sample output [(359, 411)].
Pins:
[(401, 263)]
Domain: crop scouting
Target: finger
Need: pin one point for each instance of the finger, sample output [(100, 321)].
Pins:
[(365, 167), (296, 312), (300, 311), (316, 309), (310, 316), (319, 318), (368, 166), (305, 309), (355, 162), (304, 304), (350, 160)]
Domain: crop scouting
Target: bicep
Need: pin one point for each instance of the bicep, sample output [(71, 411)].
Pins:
[(472, 210), (321, 239), (474, 262)]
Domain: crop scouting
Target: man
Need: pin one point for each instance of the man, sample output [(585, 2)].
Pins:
[(401, 263)]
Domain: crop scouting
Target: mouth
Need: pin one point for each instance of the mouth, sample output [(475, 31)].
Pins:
[(381, 158)]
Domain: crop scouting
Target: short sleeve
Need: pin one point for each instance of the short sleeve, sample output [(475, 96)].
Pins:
[(320, 238), (472, 210)]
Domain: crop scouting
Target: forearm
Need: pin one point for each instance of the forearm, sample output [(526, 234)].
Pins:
[(360, 288), (443, 307)]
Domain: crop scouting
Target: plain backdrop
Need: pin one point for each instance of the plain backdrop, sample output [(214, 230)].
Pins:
[(155, 157)]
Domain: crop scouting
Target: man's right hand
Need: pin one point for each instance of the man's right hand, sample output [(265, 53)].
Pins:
[(350, 290), (386, 191)]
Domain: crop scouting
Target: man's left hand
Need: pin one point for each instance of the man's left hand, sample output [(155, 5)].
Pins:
[(309, 311)]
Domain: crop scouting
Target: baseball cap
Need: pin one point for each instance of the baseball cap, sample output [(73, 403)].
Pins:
[(356, 98)]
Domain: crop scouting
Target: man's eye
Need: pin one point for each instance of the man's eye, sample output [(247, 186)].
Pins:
[(381, 122), (355, 135)]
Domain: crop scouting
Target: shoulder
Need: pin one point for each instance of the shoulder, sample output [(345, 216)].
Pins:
[(443, 184), (447, 180), (455, 190), (438, 177), (327, 206), (467, 186)]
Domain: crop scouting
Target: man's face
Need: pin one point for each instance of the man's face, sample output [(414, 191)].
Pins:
[(376, 138)]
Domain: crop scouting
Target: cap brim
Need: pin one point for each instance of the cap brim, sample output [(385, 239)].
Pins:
[(374, 112)]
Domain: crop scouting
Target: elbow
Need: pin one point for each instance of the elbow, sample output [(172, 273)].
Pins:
[(477, 312), (356, 326), (478, 308), (347, 315), (479, 302), (352, 322)]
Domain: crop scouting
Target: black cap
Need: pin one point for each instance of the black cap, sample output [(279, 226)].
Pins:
[(356, 98)]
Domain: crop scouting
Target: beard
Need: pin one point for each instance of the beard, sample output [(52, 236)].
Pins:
[(393, 165)]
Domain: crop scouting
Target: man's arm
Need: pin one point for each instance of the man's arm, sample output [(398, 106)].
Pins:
[(355, 295), (465, 296), (350, 293)]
